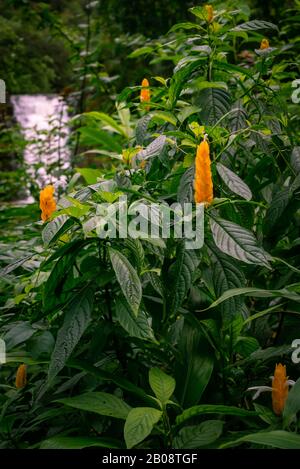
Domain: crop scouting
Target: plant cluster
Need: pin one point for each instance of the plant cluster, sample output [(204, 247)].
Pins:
[(141, 342)]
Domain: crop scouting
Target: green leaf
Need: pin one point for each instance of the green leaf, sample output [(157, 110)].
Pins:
[(123, 383), (161, 384), (236, 241), (137, 251), (179, 80), (255, 292), (180, 276), (141, 130), (194, 366), (214, 103), (186, 112), (89, 174), (238, 116), (265, 414), (246, 345), (292, 405), (225, 276), (295, 159), (204, 409), (155, 148), (78, 442), (14, 265), (186, 189), (136, 326), (269, 353), (165, 116), (106, 119), (255, 25), (230, 68), (234, 182), (139, 424), (141, 51), (184, 26), (100, 403), (276, 439), (18, 333), (91, 136), (276, 209), (76, 320), (199, 12), (199, 435), (55, 228), (128, 279)]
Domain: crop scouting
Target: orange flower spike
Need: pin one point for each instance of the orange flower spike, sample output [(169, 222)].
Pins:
[(203, 185), (145, 92), (280, 389), (21, 376), (210, 13), (47, 202), (264, 44)]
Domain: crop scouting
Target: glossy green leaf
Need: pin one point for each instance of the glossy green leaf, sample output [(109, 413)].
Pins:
[(136, 326), (257, 293), (214, 103), (276, 439), (194, 366), (236, 241), (76, 320), (128, 279), (197, 436), (139, 424), (78, 442), (100, 403), (225, 276), (292, 405), (161, 384), (55, 228), (214, 409), (185, 192), (255, 25), (180, 276), (295, 159), (234, 182), (90, 175)]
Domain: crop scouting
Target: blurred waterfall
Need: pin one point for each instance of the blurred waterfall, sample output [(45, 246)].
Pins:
[(44, 122)]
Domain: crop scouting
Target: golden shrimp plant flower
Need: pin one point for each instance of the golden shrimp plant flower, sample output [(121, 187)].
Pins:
[(210, 13), (279, 389), (47, 202), (203, 185), (264, 44), (21, 376), (145, 92)]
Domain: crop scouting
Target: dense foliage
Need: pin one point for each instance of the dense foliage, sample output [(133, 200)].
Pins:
[(140, 342)]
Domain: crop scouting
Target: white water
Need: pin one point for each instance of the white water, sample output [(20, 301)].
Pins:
[(43, 120)]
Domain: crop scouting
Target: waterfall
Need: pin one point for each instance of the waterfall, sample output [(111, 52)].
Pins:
[(44, 123)]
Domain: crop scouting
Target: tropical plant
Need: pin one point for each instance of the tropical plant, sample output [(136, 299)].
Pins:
[(142, 342)]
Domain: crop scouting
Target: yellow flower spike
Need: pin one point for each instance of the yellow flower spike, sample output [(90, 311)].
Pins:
[(47, 202), (145, 92), (280, 389), (264, 44), (203, 185), (21, 376), (210, 13)]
